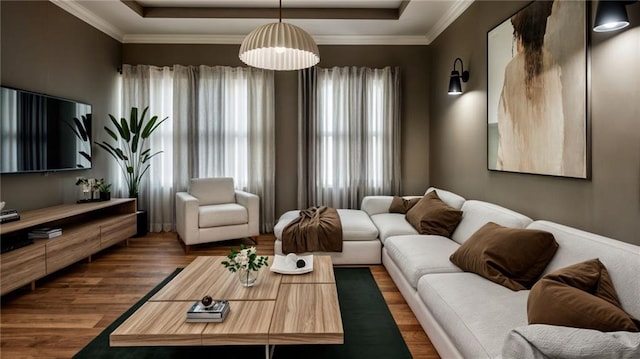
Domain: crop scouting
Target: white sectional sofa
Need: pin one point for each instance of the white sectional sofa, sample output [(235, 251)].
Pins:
[(468, 316)]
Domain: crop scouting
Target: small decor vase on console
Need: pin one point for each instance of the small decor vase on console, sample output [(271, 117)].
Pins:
[(246, 263)]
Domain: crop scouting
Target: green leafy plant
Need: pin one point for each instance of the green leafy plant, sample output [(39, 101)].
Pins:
[(104, 187), (246, 259), (130, 151)]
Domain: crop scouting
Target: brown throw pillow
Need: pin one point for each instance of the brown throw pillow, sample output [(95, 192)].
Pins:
[(402, 205), (512, 257), (579, 296), (432, 216)]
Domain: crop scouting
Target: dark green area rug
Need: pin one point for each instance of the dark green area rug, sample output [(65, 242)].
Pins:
[(369, 330)]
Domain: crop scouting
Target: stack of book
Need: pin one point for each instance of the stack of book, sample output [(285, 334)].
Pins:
[(216, 312), (9, 215), (45, 233)]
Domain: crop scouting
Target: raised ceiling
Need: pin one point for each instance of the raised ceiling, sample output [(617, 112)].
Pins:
[(414, 22)]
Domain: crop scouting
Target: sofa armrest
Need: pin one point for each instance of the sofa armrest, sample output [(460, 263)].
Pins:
[(379, 204), (252, 203), (376, 204), (187, 217), (549, 341)]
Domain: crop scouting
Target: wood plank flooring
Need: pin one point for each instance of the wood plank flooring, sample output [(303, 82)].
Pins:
[(72, 306)]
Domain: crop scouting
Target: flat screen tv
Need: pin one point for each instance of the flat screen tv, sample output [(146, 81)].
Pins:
[(40, 133)]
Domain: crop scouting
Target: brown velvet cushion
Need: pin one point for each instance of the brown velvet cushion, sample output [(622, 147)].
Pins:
[(511, 257), (402, 205), (432, 216), (580, 296)]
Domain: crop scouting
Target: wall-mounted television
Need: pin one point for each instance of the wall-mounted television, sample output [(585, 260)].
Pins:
[(41, 133)]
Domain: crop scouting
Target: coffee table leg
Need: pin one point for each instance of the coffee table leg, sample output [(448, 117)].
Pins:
[(268, 351)]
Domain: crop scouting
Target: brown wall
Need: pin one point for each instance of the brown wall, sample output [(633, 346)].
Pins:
[(45, 49), (607, 204), (413, 61)]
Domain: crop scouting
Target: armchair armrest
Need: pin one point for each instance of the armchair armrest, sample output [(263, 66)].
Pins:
[(187, 217), (252, 203)]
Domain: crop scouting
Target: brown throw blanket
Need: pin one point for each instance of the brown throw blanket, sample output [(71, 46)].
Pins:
[(316, 229)]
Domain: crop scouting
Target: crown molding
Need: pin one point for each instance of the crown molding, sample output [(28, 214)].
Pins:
[(454, 12), (237, 39), (90, 18)]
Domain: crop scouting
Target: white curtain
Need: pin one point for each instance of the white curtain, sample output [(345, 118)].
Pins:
[(349, 123), (221, 124)]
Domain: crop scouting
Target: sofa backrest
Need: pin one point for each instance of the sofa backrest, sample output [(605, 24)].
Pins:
[(621, 259), (450, 198), (213, 190), (476, 214)]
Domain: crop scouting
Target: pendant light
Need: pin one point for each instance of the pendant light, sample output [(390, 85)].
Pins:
[(279, 46)]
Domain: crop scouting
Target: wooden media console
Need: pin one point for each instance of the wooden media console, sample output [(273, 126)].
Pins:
[(87, 228)]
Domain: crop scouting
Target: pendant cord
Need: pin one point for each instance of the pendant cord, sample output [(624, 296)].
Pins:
[(280, 15)]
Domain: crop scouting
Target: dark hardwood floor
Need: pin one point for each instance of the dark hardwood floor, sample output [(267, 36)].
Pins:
[(69, 308)]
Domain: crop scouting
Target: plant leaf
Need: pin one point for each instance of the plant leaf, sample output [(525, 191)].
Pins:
[(134, 143), (121, 154), (141, 122), (111, 133), (133, 120), (126, 134), (129, 169), (148, 128)]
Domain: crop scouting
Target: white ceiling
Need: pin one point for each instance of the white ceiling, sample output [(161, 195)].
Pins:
[(419, 24)]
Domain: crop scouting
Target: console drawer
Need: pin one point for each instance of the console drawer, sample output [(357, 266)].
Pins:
[(72, 246), (118, 229), (23, 265)]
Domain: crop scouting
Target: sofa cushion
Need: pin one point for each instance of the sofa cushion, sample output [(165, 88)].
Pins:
[(552, 341), (392, 224), (454, 200), (512, 257), (402, 205), (476, 214), (432, 216), (417, 255), (356, 225), (216, 215), (580, 296), (213, 190), (476, 314), (621, 259)]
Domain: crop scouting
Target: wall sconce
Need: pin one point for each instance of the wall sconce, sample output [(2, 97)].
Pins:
[(611, 15), (455, 87)]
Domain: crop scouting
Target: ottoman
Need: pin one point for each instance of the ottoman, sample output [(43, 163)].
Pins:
[(360, 238)]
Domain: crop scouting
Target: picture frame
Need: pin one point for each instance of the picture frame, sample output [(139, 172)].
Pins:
[(538, 87)]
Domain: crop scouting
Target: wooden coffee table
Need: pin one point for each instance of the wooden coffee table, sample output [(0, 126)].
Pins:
[(279, 309)]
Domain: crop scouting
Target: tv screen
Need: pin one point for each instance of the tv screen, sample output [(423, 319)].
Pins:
[(40, 133)]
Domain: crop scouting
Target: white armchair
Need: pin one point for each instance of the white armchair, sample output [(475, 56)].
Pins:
[(212, 210)]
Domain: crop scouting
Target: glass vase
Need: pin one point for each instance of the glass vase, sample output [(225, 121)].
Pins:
[(247, 277)]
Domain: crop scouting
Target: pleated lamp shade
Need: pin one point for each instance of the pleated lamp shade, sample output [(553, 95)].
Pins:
[(279, 46)]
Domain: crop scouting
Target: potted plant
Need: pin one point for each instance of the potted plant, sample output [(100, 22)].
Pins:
[(130, 150), (105, 191), (246, 263)]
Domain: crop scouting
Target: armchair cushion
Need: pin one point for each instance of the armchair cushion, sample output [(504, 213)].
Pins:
[(216, 215), (213, 190)]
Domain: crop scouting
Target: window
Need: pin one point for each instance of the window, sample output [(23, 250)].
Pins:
[(352, 144)]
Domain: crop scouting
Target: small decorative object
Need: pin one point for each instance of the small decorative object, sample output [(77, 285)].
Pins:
[(292, 264), (90, 188), (246, 263), (105, 191), (207, 301)]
